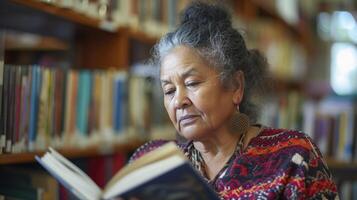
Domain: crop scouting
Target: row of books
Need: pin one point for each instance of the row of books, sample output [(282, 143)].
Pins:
[(97, 9), (32, 183), (155, 17), (286, 56), (331, 122), (348, 190), (27, 184), (282, 110), (60, 107)]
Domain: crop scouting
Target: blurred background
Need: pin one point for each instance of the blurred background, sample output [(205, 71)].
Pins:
[(74, 74)]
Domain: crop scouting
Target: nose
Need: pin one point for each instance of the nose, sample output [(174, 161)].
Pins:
[(181, 99)]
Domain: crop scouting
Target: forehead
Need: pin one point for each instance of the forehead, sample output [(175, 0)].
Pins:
[(181, 59)]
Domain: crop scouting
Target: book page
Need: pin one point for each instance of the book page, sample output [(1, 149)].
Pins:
[(142, 175), (70, 176), (160, 153), (73, 167)]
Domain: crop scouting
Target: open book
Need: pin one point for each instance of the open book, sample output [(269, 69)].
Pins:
[(164, 173)]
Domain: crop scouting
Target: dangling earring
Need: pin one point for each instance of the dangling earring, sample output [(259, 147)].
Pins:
[(239, 122)]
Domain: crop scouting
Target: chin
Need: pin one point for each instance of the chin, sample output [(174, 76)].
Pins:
[(192, 135)]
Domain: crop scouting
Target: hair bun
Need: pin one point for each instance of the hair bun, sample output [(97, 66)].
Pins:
[(201, 13)]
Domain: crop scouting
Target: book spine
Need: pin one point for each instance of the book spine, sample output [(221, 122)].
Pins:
[(2, 96), (17, 109), (124, 102), (119, 101), (142, 14), (156, 10), (64, 102), (84, 94), (94, 105), (44, 110), (106, 104), (139, 105), (354, 148), (25, 87), (58, 103), (343, 136), (73, 101), (116, 104), (34, 101), (69, 106), (11, 111), (5, 106), (50, 129), (172, 13)]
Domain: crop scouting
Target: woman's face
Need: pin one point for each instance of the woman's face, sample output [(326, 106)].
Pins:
[(197, 103)]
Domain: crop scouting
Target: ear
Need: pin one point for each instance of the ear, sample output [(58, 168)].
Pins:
[(238, 87)]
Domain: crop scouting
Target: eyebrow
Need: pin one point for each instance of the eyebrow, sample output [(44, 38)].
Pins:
[(191, 71)]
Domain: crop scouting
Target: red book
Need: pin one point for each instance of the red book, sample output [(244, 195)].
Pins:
[(17, 105), (96, 170)]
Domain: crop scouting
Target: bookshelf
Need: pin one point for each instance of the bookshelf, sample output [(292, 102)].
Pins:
[(91, 39), (14, 43), (87, 44), (251, 10), (94, 43), (71, 153), (303, 101), (67, 14), (340, 165)]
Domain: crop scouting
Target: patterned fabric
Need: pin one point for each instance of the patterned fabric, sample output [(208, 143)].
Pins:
[(198, 162), (277, 164)]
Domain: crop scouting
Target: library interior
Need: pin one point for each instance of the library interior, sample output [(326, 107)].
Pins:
[(76, 75)]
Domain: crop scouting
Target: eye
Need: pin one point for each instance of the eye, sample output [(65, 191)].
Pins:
[(169, 91), (192, 83)]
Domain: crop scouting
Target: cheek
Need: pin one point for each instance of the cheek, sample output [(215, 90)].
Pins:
[(170, 110), (202, 101), (211, 104)]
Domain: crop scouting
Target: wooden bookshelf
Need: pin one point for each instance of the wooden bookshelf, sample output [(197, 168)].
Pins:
[(336, 164), (92, 45), (43, 43), (342, 170), (142, 36), (82, 19), (18, 158), (65, 13), (252, 9)]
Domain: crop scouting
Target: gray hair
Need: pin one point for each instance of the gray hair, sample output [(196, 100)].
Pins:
[(208, 30)]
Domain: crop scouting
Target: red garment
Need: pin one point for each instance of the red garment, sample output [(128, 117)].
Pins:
[(276, 164)]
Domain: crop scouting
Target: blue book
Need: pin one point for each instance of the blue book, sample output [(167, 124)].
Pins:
[(116, 105), (120, 102), (164, 173), (34, 103), (83, 101)]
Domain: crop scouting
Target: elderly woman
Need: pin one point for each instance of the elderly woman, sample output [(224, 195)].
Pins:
[(207, 76)]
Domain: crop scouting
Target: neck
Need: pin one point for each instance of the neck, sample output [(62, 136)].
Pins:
[(217, 147), (217, 151)]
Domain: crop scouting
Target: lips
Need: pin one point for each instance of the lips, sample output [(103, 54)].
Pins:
[(187, 119)]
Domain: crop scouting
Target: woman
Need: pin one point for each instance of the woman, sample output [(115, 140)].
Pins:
[(207, 76)]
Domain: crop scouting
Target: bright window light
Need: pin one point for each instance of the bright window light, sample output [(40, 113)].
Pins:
[(344, 68), (343, 26)]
